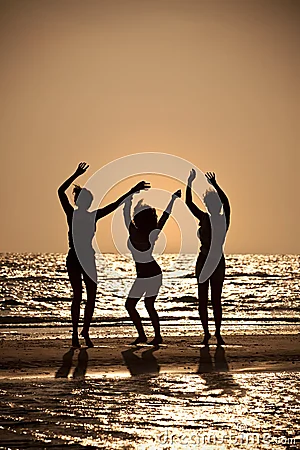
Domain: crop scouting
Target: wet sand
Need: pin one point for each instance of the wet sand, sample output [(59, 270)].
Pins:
[(42, 357), (116, 396)]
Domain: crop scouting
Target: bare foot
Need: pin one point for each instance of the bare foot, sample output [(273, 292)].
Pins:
[(139, 340), (220, 340), (207, 337), (75, 341), (156, 341), (87, 339)]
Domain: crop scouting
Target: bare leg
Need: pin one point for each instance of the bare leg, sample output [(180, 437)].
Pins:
[(149, 303), (203, 301), (91, 289), (216, 291), (76, 283), (136, 319), (216, 282)]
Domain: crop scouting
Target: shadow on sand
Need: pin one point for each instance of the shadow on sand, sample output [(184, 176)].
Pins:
[(218, 366), (81, 367), (141, 365), (206, 363)]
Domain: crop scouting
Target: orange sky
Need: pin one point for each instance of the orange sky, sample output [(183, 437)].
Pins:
[(214, 82)]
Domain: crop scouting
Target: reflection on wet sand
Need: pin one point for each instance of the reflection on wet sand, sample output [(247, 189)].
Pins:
[(81, 367), (210, 407), (140, 365), (221, 364), (224, 379), (65, 368)]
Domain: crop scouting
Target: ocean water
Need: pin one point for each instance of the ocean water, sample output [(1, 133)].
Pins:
[(146, 405), (261, 293), (171, 411)]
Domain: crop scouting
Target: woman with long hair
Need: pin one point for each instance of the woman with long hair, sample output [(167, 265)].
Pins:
[(210, 266), (82, 227), (144, 229)]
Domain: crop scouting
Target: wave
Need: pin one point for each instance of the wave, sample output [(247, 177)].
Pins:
[(22, 321), (52, 299), (10, 302), (132, 277), (279, 308), (254, 274), (32, 278), (257, 301), (184, 298), (243, 274)]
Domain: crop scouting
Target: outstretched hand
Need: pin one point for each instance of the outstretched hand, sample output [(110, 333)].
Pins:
[(211, 178), (82, 167), (177, 193), (191, 177), (141, 186)]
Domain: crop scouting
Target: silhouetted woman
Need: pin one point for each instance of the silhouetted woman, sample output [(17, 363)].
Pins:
[(85, 224), (210, 266), (144, 230)]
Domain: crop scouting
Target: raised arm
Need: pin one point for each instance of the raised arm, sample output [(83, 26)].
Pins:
[(67, 207), (102, 212), (166, 214), (189, 199), (127, 211), (211, 177)]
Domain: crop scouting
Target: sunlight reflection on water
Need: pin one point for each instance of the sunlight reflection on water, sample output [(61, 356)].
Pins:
[(157, 410), (264, 288), (144, 406)]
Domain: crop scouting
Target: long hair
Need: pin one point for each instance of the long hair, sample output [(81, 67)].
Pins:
[(145, 217), (82, 196), (212, 202)]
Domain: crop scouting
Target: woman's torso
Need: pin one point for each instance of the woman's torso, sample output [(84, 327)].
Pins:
[(141, 247), (212, 227), (82, 227)]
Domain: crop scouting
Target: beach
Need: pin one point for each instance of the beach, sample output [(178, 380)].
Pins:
[(241, 395), (149, 190), (181, 395), (35, 357)]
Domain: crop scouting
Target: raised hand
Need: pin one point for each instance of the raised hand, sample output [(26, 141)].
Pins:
[(141, 186), (82, 167), (177, 193), (191, 177), (211, 178)]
